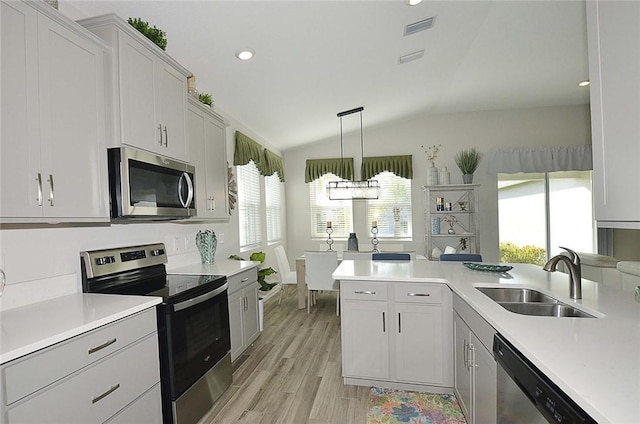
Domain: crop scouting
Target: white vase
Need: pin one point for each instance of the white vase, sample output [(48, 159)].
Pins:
[(432, 174), (444, 177)]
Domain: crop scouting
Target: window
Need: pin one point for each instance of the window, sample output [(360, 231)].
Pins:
[(273, 197), (539, 212), (249, 206), (339, 212), (392, 210)]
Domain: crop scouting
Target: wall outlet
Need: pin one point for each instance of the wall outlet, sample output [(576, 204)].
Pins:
[(221, 238), (189, 243), (177, 244)]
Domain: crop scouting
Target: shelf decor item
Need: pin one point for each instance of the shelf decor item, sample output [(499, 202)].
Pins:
[(156, 35), (487, 267), (207, 242), (352, 242), (435, 225), (431, 153), (205, 98), (468, 161), (444, 177)]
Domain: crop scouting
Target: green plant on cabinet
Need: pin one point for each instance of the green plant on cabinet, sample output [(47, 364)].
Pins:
[(152, 33)]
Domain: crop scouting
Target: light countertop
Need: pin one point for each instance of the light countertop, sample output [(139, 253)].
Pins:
[(595, 361), (33, 327), (226, 267)]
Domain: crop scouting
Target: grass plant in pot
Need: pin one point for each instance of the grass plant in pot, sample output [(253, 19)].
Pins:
[(468, 161)]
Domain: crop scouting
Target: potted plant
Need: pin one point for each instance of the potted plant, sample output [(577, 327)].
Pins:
[(152, 33), (205, 98), (262, 272), (468, 161)]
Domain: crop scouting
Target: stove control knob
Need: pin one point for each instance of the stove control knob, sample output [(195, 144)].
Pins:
[(157, 252)]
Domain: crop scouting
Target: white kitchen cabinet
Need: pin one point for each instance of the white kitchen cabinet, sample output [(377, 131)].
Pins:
[(397, 333), (243, 310), (149, 90), (475, 367), (208, 148), (108, 372), (614, 65), (53, 163)]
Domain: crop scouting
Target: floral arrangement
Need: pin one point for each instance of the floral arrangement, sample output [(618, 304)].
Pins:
[(431, 152)]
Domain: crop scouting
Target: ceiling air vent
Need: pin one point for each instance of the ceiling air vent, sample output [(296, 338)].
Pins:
[(411, 56), (419, 26)]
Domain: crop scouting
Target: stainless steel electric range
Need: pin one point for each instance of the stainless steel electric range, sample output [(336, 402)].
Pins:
[(193, 323)]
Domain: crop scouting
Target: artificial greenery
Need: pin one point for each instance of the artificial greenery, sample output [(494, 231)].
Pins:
[(205, 98), (152, 33), (468, 160), (262, 272)]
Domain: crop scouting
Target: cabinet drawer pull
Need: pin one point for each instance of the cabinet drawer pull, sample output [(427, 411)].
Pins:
[(105, 394), (399, 323), (102, 346), (160, 129), (364, 292), (244, 280), (384, 324), (166, 137), (419, 294)]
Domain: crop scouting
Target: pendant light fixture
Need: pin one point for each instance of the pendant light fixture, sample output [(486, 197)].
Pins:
[(347, 189)]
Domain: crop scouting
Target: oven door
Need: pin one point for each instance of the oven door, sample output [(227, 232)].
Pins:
[(198, 337)]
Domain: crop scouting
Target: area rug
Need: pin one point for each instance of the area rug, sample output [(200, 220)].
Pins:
[(398, 407)]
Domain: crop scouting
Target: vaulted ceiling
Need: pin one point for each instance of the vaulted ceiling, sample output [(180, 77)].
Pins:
[(314, 59)]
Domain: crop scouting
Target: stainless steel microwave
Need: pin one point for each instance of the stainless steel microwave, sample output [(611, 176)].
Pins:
[(146, 186)]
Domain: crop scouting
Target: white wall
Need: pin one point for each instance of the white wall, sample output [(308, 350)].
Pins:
[(552, 126)]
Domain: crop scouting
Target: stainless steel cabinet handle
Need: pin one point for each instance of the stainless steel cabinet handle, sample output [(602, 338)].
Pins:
[(160, 129), (399, 323), (384, 324), (473, 356), (465, 352), (51, 188), (244, 280), (102, 346), (364, 292), (418, 294), (39, 180), (166, 137), (3, 281), (105, 394)]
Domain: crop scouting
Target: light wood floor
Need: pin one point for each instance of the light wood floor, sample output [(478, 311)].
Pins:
[(293, 372)]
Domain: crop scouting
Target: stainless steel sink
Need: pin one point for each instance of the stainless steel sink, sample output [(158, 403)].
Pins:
[(545, 309), (531, 302), (520, 295)]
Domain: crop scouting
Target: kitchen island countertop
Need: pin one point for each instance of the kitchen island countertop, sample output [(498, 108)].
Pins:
[(596, 361)]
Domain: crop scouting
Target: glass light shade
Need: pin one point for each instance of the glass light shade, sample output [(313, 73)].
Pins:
[(353, 190)]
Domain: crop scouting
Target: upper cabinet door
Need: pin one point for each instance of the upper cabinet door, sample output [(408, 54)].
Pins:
[(614, 68), (150, 90), (53, 132)]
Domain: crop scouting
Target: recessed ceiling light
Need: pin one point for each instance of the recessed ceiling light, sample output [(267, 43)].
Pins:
[(584, 83), (414, 2), (245, 54)]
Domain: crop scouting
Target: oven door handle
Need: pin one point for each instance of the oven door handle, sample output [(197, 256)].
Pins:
[(202, 298)]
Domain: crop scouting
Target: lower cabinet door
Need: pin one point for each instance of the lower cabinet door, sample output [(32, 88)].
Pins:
[(365, 339), (462, 373), (251, 322), (418, 343), (484, 379), (236, 323)]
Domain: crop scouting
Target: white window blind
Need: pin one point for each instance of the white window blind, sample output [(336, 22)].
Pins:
[(392, 210), (273, 198), (339, 212), (249, 206)]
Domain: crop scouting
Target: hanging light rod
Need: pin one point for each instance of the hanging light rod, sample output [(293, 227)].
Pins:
[(349, 112)]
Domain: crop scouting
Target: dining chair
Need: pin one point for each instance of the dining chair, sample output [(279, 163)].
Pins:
[(356, 256), (461, 257), (287, 276), (393, 256), (318, 269)]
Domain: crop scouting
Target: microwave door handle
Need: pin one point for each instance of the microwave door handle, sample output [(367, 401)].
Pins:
[(190, 186), (184, 174)]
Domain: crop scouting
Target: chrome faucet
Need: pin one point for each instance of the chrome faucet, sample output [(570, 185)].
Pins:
[(575, 274)]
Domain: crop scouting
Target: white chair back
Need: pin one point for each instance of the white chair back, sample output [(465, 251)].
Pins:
[(281, 260), (338, 247), (356, 256), (319, 266)]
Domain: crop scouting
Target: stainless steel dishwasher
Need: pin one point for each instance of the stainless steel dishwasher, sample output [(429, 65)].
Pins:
[(526, 395)]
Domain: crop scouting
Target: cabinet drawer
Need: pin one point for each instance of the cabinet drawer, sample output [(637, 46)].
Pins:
[(417, 293), (26, 375), (242, 279), (147, 409), (363, 290), (97, 393)]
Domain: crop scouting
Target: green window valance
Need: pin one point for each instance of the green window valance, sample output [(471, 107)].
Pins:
[(316, 168), (247, 150), (402, 166), (273, 163)]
